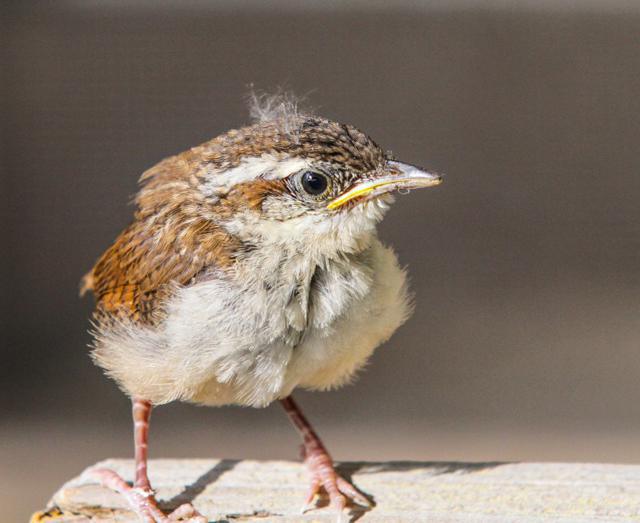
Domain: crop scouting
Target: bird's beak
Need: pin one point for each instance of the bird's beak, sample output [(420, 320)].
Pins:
[(398, 176)]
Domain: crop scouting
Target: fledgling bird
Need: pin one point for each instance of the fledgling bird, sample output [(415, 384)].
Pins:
[(252, 267)]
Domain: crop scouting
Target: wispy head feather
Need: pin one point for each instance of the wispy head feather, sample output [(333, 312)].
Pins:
[(281, 108)]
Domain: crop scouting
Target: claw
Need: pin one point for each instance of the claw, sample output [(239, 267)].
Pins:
[(353, 493), (320, 464), (339, 490), (306, 508), (143, 502), (309, 502)]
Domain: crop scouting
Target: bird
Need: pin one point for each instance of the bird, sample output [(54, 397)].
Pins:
[(251, 268)]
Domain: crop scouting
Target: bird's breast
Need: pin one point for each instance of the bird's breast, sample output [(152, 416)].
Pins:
[(287, 322)]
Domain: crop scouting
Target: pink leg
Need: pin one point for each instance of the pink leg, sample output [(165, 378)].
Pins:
[(141, 411), (320, 464), (141, 496)]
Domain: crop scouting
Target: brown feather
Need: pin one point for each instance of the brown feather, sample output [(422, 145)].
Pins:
[(169, 243), (174, 236)]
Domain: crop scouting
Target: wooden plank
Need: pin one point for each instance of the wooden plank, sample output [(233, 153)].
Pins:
[(265, 491)]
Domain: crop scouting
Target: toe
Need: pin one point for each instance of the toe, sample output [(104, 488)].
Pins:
[(353, 493), (188, 514), (182, 512), (313, 491), (337, 501)]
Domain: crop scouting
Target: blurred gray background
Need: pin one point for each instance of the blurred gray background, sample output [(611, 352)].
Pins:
[(525, 264)]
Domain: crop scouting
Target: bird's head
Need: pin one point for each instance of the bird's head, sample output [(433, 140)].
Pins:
[(295, 178)]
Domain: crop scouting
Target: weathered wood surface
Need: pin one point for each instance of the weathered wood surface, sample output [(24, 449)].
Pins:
[(265, 491)]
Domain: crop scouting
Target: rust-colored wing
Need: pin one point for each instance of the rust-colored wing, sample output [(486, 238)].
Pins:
[(141, 267), (169, 243)]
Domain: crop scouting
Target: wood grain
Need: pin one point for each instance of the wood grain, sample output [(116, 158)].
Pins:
[(265, 491)]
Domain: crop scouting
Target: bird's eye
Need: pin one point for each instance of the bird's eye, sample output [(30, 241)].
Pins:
[(314, 183)]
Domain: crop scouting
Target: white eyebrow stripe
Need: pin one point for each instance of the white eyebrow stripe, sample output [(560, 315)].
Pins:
[(266, 166)]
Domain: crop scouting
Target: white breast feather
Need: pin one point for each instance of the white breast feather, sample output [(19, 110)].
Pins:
[(294, 323)]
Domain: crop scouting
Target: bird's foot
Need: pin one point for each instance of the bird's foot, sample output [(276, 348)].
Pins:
[(143, 502), (324, 477)]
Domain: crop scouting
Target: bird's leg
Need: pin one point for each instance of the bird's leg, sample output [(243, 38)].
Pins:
[(320, 464), (141, 496), (141, 413)]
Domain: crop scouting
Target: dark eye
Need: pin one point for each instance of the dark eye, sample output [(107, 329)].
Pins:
[(314, 183)]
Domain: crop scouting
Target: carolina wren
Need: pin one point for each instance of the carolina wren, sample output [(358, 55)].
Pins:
[(252, 267)]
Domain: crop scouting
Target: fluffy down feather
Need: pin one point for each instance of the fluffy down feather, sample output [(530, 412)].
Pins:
[(315, 333)]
